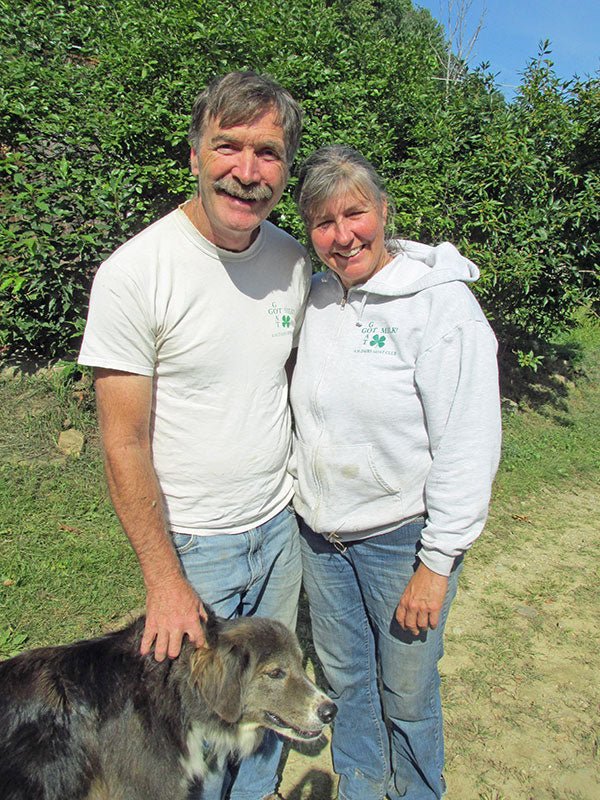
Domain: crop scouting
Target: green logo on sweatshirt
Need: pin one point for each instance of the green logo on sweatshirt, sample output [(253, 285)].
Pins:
[(375, 338)]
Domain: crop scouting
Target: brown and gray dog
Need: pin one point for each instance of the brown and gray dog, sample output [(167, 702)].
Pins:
[(95, 720)]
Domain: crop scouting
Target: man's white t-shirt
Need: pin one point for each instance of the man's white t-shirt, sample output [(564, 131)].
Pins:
[(214, 330)]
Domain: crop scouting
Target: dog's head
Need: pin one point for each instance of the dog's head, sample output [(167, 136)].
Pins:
[(250, 672)]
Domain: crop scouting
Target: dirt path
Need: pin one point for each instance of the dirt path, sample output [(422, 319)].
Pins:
[(521, 674)]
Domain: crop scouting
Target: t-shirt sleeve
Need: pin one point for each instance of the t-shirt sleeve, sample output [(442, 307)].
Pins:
[(119, 332)]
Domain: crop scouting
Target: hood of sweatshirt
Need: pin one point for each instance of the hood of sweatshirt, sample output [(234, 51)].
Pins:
[(418, 266)]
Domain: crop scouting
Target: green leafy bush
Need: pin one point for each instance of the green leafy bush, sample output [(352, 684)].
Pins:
[(94, 115), (93, 121), (517, 188)]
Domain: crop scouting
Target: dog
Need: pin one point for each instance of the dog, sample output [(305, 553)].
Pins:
[(95, 720)]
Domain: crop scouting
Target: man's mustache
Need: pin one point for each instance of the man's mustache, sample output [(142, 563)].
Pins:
[(232, 187)]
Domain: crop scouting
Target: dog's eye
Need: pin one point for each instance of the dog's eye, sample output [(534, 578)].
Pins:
[(276, 673)]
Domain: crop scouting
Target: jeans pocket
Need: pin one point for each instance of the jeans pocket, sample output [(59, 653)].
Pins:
[(183, 542)]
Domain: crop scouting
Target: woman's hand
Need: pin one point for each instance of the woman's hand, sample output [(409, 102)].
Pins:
[(420, 605)]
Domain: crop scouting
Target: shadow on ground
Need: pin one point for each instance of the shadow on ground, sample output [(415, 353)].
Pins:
[(315, 785)]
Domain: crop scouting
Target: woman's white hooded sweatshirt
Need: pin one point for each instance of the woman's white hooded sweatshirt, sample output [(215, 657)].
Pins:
[(396, 404)]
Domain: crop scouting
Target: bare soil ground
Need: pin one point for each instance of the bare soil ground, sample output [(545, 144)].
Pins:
[(521, 673)]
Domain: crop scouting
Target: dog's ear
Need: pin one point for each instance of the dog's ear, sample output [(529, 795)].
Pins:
[(221, 675), (210, 626)]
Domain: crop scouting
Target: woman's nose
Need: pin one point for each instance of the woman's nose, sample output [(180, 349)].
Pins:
[(343, 234)]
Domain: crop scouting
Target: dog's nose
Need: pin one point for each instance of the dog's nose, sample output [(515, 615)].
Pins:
[(326, 712)]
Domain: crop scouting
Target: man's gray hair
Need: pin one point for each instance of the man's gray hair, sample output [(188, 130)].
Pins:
[(240, 98), (331, 171)]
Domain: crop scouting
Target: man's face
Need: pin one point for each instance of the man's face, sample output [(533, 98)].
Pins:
[(242, 173)]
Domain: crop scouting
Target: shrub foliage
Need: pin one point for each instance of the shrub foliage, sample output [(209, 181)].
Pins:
[(93, 121)]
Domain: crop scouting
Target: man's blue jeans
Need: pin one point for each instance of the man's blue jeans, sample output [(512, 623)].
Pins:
[(387, 737), (257, 572)]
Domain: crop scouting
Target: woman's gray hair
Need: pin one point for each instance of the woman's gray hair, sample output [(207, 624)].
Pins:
[(239, 98), (331, 171)]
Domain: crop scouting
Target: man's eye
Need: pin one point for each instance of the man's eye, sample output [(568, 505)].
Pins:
[(276, 673), (270, 155)]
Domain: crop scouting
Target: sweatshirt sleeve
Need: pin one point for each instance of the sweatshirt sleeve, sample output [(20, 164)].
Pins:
[(457, 378)]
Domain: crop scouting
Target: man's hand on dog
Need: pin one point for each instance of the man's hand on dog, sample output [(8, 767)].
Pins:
[(173, 610), (420, 605)]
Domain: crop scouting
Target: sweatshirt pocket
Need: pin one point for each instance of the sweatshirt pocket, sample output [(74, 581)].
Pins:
[(345, 488)]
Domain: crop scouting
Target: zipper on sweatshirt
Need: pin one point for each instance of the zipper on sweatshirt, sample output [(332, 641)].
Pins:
[(344, 300)]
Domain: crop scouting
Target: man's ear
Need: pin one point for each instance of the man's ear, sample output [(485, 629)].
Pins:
[(194, 166)]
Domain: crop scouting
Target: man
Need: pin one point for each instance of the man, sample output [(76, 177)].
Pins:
[(190, 326)]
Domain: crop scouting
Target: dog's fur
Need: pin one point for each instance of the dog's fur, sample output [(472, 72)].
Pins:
[(95, 720)]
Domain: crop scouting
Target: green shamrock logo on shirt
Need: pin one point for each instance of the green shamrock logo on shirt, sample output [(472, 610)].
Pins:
[(377, 340), (285, 321)]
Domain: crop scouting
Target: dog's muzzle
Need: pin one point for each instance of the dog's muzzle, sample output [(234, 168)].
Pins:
[(326, 712)]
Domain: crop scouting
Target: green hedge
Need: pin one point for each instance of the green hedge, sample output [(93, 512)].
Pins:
[(93, 121)]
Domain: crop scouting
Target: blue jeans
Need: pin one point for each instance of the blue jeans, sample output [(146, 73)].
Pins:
[(257, 572), (387, 737)]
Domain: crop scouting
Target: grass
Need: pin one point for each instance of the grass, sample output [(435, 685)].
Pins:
[(547, 447), (66, 568), (543, 446), (523, 644)]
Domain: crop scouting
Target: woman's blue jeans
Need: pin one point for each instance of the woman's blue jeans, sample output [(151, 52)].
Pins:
[(387, 737), (257, 572)]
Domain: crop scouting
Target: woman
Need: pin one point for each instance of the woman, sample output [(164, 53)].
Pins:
[(395, 399)]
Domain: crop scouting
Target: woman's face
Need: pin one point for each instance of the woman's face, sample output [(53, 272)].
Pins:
[(347, 234)]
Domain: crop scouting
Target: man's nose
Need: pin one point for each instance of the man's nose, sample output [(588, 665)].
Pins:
[(246, 169)]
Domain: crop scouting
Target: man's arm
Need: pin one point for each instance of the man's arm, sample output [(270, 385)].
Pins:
[(173, 609)]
